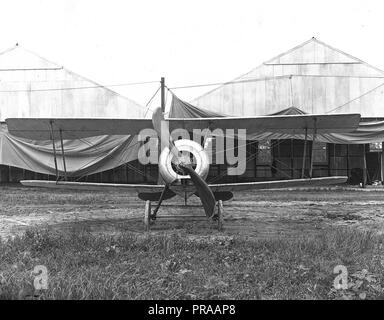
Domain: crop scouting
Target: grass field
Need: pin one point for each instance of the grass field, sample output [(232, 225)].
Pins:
[(184, 261)]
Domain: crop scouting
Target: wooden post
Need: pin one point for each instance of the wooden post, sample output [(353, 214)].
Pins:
[(348, 160), (147, 215), (54, 150), (292, 168), (220, 212), (382, 163), (162, 83), (334, 157), (329, 158), (256, 149), (304, 154), (312, 151), (62, 152), (184, 183)]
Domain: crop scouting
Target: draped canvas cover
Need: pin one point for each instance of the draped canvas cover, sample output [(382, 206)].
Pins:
[(182, 109), (289, 79), (96, 154), (82, 157), (367, 132), (32, 86)]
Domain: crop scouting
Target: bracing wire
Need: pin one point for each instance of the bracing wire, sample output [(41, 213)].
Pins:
[(359, 97), (245, 80), (230, 82), (83, 87), (150, 101), (252, 157)]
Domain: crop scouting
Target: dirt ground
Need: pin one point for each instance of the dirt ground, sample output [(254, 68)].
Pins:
[(259, 213)]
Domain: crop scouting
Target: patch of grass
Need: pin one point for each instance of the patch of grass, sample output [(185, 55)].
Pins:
[(174, 265), (12, 194), (41, 196)]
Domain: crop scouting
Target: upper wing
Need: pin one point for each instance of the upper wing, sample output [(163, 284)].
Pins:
[(40, 129), (292, 124)]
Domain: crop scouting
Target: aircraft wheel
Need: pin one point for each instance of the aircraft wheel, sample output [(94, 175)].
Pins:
[(147, 215), (220, 212)]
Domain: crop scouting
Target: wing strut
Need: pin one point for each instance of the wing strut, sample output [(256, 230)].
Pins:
[(54, 150), (62, 152)]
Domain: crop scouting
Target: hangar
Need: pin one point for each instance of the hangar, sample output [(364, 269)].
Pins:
[(310, 78), (32, 86)]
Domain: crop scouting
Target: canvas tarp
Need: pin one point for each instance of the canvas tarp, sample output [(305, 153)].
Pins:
[(182, 109), (97, 154), (82, 156), (367, 132)]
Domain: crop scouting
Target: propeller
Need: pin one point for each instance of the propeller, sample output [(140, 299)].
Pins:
[(162, 129), (204, 191)]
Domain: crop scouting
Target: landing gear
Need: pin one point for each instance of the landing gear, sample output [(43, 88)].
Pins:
[(220, 213), (219, 216), (147, 215)]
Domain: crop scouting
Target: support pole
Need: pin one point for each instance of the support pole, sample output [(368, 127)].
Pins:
[(62, 153), (364, 168), (162, 83), (220, 212), (313, 150), (292, 168), (54, 150), (147, 215), (184, 184), (162, 105), (166, 187), (304, 153), (382, 163)]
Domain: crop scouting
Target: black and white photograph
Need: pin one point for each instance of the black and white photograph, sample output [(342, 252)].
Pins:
[(196, 156)]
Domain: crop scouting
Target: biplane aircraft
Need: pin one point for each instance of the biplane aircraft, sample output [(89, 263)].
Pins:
[(178, 175)]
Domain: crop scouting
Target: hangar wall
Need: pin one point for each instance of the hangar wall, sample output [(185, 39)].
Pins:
[(313, 77), (31, 86)]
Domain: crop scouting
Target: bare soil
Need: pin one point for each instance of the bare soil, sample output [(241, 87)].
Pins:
[(260, 214)]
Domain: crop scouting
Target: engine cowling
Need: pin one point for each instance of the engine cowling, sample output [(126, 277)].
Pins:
[(167, 168)]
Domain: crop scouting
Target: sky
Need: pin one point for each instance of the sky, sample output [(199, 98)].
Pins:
[(187, 42)]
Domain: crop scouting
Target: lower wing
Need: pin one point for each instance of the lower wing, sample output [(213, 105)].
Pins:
[(92, 186), (278, 184), (223, 187)]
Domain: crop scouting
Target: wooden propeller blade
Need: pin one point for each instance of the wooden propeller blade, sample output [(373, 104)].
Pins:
[(204, 191), (162, 129)]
